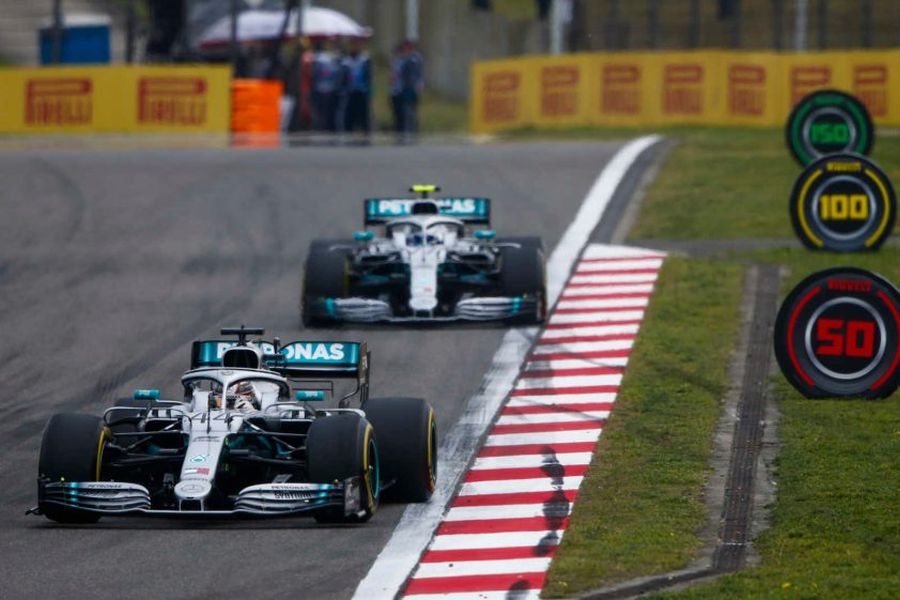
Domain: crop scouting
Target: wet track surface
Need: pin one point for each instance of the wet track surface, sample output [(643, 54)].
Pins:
[(111, 262)]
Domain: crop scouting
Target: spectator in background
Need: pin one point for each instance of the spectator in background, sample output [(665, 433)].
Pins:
[(325, 83), (358, 85), (407, 83)]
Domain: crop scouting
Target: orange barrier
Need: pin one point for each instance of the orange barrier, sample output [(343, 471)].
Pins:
[(256, 105), (114, 99), (657, 88)]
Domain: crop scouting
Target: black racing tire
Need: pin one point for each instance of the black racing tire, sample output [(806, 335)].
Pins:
[(407, 437), (523, 270), (71, 450), (325, 276), (342, 446)]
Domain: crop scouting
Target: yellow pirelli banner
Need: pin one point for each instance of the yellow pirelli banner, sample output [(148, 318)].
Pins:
[(115, 99), (718, 87)]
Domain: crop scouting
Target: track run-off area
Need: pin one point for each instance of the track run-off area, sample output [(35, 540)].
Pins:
[(113, 261)]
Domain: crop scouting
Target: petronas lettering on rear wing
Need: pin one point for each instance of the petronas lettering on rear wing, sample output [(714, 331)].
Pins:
[(472, 210), (333, 359)]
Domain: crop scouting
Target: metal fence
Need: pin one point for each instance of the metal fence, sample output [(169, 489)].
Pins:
[(744, 24)]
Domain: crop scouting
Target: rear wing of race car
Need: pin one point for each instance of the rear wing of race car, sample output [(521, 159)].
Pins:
[(475, 211), (301, 359)]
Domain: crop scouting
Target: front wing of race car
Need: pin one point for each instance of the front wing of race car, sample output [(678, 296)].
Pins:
[(263, 500), (372, 310)]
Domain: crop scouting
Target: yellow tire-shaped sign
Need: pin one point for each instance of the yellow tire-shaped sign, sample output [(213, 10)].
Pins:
[(843, 203)]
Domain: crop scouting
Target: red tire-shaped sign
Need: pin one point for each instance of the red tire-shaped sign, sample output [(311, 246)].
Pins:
[(838, 335)]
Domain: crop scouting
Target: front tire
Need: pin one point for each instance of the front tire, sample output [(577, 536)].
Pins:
[(325, 276), (524, 273), (342, 446), (71, 450), (407, 434)]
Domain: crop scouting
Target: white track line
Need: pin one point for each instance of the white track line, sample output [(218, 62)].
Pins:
[(604, 303), (543, 437), (601, 251), (506, 511), (557, 417), (620, 265), (599, 316), (555, 399), (561, 381), (482, 567), (570, 363), (507, 539), (582, 347), (619, 278), (525, 461), (411, 536), (606, 290), (584, 330), (501, 595)]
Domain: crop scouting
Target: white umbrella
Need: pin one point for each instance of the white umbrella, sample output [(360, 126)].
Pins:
[(267, 24)]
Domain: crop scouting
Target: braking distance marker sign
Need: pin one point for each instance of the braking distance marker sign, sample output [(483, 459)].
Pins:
[(843, 203), (837, 335), (827, 122)]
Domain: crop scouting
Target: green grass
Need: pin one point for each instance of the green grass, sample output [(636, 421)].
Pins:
[(641, 502), (835, 525), (835, 529), (730, 183)]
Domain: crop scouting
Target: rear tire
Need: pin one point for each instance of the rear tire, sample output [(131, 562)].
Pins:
[(524, 272), (71, 450), (325, 276), (342, 446), (407, 436)]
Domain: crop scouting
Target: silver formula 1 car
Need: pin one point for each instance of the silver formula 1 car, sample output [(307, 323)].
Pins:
[(248, 438), (431, 259)]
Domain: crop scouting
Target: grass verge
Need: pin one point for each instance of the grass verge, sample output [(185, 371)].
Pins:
[(641, 502), (835, 529)]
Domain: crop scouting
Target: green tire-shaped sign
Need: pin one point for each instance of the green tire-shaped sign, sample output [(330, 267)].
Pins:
[(837, 334), (828, 122), (843, 203)]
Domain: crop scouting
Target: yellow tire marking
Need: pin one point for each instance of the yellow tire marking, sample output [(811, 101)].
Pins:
[(101, 444), (367, 477)]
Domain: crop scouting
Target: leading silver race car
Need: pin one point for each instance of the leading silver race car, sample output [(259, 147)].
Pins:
[(428, 262), (240, 443)]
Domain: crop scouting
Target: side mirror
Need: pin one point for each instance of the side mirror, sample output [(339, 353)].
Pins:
[(485, 234), (363, 236), (310, 395), (151, 394)]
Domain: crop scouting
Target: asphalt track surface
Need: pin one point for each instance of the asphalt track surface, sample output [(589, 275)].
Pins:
[(112, 261)]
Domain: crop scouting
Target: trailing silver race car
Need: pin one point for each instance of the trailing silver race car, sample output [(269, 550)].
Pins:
[(247, 439), (428, 262)]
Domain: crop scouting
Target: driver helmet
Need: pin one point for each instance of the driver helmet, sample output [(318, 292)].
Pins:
[(244, 396), (419, 239)]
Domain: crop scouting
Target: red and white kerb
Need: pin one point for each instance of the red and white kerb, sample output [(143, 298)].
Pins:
[(505, 524)]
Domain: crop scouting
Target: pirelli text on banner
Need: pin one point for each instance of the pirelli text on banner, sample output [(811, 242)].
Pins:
[(721, 87), (114, 99)]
